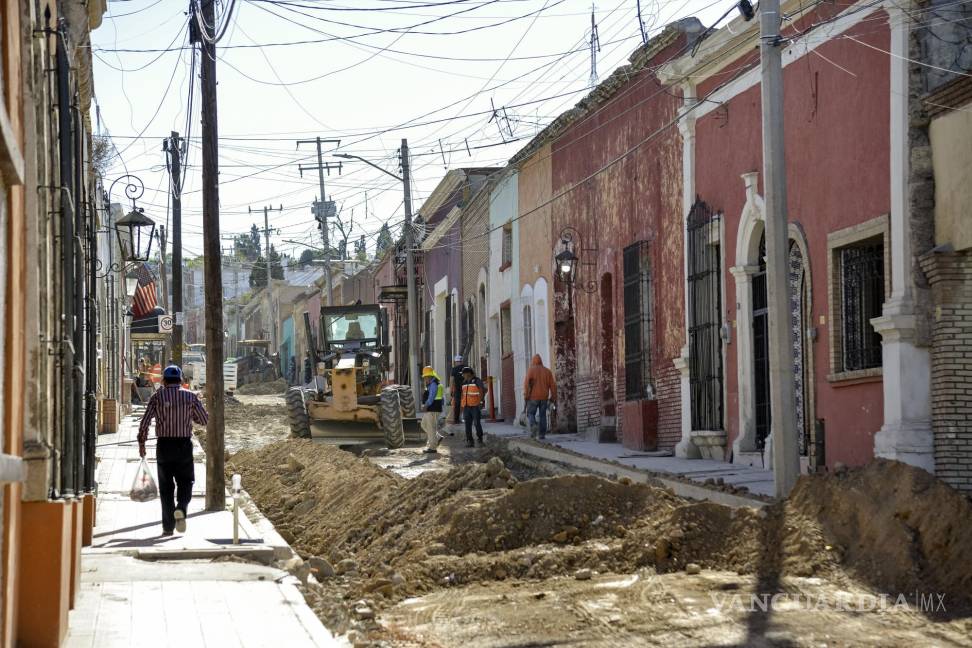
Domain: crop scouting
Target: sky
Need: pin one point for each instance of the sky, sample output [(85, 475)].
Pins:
[(467, 82)]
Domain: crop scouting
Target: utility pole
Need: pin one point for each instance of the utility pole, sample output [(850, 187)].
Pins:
[(163, 275), (413, 368), (212, 258), (405, 179), (266, 235), (320, 208), (175, 153), (786, 461)]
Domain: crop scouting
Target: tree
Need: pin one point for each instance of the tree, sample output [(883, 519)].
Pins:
[(345, 229), (360, 249), (248, 246), (258, 275), (385, 240), (308, 256)]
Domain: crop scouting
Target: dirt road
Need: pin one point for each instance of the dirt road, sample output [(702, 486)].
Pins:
[(402, 549)]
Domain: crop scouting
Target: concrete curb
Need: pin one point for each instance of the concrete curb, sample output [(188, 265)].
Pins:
[(611, 469)]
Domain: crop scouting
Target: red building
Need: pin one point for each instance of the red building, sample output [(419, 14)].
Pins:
[(616, 205), (846, 161)]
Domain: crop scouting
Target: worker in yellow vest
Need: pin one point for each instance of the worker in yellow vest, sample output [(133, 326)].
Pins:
[(473, 395), (432, 404)]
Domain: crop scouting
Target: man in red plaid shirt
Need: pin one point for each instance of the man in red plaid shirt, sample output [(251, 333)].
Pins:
[(174, 410)]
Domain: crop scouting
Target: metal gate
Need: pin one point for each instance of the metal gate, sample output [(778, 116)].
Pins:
[(705, 308), (761, 378)]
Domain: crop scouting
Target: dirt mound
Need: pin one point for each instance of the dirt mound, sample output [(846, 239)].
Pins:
[(254, 421), (278, 386), (383, 537), (894, 526)]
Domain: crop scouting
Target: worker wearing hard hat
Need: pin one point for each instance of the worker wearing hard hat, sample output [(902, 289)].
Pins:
[(432, 399)]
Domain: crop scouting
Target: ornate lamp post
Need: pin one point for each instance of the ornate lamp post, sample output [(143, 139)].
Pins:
[(134, 231)]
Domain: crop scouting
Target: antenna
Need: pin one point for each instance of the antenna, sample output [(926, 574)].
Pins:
[(595, 47)]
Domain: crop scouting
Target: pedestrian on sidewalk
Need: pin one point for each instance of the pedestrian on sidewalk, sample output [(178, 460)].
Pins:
[(473, 395), (432, 404), (455, 388), (175, 410), (539, 390)]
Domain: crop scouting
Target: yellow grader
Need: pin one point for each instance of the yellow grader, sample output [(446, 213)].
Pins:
[(348, 401)]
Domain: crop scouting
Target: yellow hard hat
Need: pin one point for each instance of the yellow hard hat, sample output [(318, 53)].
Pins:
[(428, 372)]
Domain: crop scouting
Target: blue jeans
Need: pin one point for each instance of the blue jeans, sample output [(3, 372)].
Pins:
[(533, 408)]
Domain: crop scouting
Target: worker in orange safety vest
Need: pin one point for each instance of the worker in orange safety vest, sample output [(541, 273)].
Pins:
[(473, 395)]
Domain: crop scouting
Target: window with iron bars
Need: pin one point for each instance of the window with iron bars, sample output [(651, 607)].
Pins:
[(637, 322), (861, 299), (507, 259)]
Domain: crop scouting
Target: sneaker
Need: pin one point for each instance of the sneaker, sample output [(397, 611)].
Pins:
[(167, 532), (180, 519), (430, 451)]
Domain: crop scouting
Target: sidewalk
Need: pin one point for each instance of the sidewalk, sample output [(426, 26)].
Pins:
[(141, 589), (681, 475)]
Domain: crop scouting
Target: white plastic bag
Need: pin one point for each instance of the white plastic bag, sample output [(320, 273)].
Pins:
[(144, 488)]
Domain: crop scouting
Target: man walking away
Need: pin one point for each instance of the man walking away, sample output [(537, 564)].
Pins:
[(473, 393), (175, 410), (539, 390), (455, 387), (432, 404)]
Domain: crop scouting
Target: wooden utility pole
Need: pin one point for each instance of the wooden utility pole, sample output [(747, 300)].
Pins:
[(163, 275), (321, 207), (786, 461), (413, 325), (212, 260), (175, 175), (266, 235)]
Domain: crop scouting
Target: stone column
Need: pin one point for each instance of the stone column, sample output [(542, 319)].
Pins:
[(906, 434), (744, 441), (685, 449)]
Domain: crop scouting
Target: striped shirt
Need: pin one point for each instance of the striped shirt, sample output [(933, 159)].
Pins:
[(175, 410)]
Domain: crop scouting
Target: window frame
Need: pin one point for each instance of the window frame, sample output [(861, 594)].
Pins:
[(872, 230), (506, 247)]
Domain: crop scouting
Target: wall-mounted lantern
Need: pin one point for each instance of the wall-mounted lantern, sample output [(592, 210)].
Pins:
[(569, 265), (135, 232)]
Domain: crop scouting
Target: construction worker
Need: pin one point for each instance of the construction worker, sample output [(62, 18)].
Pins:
[(473, 395), (539, 389), (455, 385), (432, 404)]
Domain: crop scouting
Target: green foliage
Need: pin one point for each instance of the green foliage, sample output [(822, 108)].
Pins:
[(247, 246), (385, 240), (258, 275)]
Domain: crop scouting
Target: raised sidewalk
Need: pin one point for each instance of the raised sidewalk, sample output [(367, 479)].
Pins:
[(693, 478), (141, 589)]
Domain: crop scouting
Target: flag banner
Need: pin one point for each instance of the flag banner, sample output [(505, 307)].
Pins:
[(146, 299)]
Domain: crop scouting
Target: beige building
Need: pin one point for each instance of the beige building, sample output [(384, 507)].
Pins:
[(948, 268)]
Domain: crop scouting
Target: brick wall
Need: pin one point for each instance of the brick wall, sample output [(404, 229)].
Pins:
[(668, 392), (588, 406), (950, 276)]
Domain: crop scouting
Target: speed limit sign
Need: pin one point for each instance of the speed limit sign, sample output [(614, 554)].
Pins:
[(165, 324)]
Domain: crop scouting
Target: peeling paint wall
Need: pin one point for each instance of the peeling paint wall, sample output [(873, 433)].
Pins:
[(613, 205)]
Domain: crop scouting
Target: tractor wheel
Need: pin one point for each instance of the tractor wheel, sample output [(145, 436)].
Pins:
[(407, 397), (297, 411), (390, 415)]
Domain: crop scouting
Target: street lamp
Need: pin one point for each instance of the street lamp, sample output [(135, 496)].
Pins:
[(135, 232), (567, 261)]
